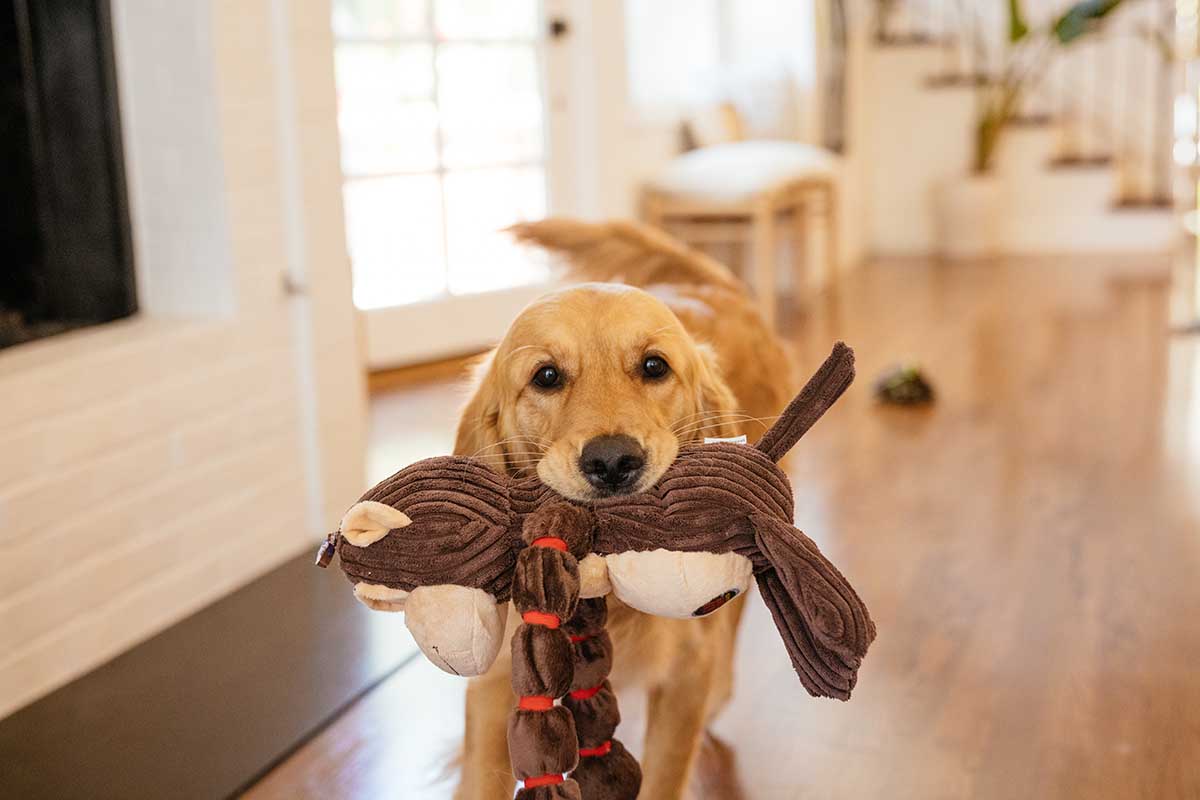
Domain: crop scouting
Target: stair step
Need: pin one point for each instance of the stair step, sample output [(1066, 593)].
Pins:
[(958, 80), (1032, 121), (911, 40), (1159, 203), (1024, 150), (1081, 162)]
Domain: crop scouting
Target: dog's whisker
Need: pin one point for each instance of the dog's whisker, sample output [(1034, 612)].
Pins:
[(717, 423), (508, 441), (711, 416), (706, 413), (728, 421), (726, 416)]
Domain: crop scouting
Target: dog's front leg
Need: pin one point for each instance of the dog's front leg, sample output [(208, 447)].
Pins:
[(486, 773), (677, 712)]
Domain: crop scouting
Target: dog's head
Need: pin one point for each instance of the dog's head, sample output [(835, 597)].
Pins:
[(594, 388)]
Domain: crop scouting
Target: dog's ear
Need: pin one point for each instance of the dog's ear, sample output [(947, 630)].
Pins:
[(479, 424), (714, 399)]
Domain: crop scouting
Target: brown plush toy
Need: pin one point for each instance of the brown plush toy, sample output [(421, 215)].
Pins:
[(449, 542)]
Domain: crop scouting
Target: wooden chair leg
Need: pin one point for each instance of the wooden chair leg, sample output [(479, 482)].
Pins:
[(763, 250), (802, 250), (833, 256)]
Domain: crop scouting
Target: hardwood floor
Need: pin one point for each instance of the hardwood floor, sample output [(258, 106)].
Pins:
[(1029, 548)]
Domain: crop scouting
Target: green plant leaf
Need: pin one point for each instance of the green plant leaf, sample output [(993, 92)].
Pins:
[(1081, 18), (1018, 29)]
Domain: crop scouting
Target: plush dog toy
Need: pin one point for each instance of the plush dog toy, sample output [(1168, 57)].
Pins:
[(450, 542)]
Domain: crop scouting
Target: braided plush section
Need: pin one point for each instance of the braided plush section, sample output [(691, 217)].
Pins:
[(542, 743), (606, 769)]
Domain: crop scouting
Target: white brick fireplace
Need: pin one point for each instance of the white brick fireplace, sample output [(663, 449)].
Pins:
[(151, 465)]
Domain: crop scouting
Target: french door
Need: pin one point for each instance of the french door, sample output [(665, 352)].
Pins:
[(444, 142)]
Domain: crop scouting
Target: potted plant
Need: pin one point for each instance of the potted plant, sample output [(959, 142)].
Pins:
[(969, 207)]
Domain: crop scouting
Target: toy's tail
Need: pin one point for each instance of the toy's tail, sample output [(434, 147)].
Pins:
[(822, 391)]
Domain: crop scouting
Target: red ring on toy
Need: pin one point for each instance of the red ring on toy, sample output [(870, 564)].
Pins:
[(584, 694), (584, 638), (535, 702), (602, 750), (541, 618), (549, 779), (550, 541)]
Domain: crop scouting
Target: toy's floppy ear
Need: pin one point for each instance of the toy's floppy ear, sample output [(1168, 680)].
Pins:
[(368, 521), (824, 623), (822, 391)]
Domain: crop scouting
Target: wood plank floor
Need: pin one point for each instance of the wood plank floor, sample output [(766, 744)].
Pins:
[(1029, 548)]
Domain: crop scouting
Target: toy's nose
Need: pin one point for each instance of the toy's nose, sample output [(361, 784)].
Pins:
[(612, 463)]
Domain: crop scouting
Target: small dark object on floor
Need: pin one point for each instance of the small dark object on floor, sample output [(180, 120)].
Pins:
[(904, 385)]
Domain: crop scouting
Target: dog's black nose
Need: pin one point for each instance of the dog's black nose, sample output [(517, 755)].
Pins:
[(612, 463)]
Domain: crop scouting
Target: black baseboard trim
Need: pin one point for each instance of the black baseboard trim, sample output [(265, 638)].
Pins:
[(208, 706)]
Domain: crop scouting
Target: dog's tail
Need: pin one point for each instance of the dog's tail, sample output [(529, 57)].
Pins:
[(627, 252)]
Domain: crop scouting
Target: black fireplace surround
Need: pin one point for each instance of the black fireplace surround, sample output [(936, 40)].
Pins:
[(66, 258)]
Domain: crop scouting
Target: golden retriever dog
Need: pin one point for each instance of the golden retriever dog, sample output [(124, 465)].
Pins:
[(594, 387)]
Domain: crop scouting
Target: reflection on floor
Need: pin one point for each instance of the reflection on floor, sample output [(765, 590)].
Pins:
[(1029, 548)]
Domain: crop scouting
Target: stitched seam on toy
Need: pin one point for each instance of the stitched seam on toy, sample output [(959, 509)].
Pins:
[(535, 702), (602, 749), (552, 542), (543, 618)]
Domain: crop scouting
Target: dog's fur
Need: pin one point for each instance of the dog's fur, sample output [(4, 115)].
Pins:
[(728, 374)]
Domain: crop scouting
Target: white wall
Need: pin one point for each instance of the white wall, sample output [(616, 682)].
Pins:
[(149, 466)]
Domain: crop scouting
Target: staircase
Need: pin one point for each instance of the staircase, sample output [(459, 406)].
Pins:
[(1085, 167)]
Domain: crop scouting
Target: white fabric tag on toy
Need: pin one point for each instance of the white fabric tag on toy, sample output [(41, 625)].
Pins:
[(731, 439)]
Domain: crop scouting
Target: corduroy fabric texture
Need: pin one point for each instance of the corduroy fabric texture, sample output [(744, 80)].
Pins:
[(474, 528)]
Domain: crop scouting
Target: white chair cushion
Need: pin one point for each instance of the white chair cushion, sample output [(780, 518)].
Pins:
[(737, 171)]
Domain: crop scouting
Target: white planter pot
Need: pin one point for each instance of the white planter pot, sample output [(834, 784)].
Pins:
[(969, 213)]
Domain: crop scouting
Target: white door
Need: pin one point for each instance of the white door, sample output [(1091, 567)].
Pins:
[(445, 140)]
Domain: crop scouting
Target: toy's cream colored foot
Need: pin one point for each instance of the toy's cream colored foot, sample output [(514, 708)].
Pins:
[(458, 628), (368, 521), (380, 598), (670, 583), (593, 577)]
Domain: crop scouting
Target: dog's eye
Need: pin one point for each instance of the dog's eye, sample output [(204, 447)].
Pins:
[(655, 367), (547, 377)]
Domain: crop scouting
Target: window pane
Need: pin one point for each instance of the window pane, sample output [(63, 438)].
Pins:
[(397, 137), (491, 104), (479, 204), (485, 19), (379, 18), (386, 116), (394, 230), (384, 72)]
